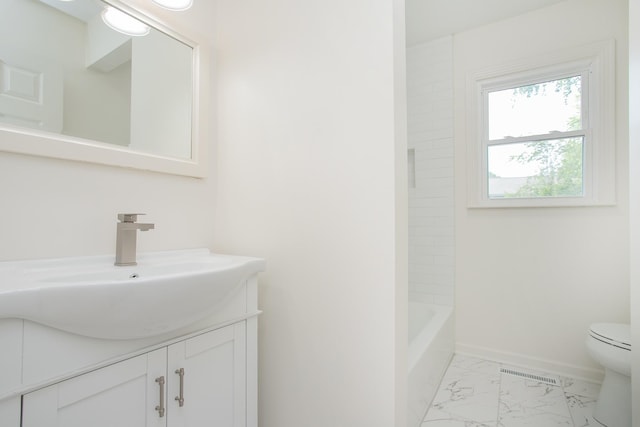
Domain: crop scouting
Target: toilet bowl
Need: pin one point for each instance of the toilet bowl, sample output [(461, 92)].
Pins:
[(609, 344)]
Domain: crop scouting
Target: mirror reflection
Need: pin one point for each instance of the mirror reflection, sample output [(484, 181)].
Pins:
[(64, 70)]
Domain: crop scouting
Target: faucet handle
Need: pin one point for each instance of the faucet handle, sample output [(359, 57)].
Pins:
[(129, 217)]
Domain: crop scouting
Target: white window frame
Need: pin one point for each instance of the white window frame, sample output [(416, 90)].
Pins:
[(596, 64)]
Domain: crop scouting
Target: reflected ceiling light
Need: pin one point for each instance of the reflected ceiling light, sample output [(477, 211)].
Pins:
[(123, 23), (174, 4)]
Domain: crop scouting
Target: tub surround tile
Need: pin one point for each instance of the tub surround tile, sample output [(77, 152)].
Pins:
[(431, 197), (474, 393)]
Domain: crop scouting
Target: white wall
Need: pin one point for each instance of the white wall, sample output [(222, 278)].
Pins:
[(310, 174), (307, 168), (53, 208), (431, 198), (634, 162), (530, 281)]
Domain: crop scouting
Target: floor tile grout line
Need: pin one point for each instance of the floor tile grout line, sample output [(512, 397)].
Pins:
[(499, 394), (566, 401)]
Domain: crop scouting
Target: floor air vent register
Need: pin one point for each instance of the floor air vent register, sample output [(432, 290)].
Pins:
[(533, 377)]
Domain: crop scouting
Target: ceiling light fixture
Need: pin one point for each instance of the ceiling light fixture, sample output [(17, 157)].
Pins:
[(123, 23), (174, 4)]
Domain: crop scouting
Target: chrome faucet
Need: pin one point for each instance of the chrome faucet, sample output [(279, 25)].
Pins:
[(127, 231)]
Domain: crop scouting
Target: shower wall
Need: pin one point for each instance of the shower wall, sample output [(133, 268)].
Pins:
[(431, 175)]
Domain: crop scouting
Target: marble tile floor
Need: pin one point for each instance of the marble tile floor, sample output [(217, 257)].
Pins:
[(474, 393)]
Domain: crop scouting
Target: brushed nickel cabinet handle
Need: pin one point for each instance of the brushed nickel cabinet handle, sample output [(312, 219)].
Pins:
[(180, 398), (160, 407)]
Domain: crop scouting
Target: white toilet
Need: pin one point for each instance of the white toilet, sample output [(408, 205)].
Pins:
[(610, 345)]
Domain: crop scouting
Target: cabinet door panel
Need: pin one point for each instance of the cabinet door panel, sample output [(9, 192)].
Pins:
[(214, 379), (10, 412), (124, 394)]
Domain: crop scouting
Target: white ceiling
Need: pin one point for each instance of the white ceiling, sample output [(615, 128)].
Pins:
[(83, 10), (431, 19)]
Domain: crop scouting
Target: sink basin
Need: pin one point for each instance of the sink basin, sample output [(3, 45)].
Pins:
[(90, 296)]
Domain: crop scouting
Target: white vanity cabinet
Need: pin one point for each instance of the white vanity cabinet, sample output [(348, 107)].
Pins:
[(117, 395), (53, 378), (200, 381), (212, 370)]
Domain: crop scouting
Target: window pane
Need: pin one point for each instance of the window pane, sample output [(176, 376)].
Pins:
[(536, 109), (551, 168)]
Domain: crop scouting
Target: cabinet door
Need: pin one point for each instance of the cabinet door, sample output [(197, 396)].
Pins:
[(124, 395), (214, 379), (10, 412)]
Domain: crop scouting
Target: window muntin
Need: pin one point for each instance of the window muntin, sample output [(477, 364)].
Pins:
[(535, 135)]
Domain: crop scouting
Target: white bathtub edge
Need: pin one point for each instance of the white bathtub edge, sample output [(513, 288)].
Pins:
[(426, 337), (427, 369)]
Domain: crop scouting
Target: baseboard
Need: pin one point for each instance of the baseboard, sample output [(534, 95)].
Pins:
[(521, 360)]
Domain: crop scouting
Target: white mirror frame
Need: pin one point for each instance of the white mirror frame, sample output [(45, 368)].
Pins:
[(21, 140)]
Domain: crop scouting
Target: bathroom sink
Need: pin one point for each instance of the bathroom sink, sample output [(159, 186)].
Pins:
[(90, 296)]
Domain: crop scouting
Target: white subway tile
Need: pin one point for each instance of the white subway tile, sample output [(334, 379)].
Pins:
[(443, 300), (431, 202)]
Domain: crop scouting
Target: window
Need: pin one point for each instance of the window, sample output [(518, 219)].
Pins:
[(535, 138), (544, 133)]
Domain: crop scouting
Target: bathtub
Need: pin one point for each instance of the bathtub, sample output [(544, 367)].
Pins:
[(430, 350)]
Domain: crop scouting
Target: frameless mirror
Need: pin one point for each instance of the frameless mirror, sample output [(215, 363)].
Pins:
[(73, 87)]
